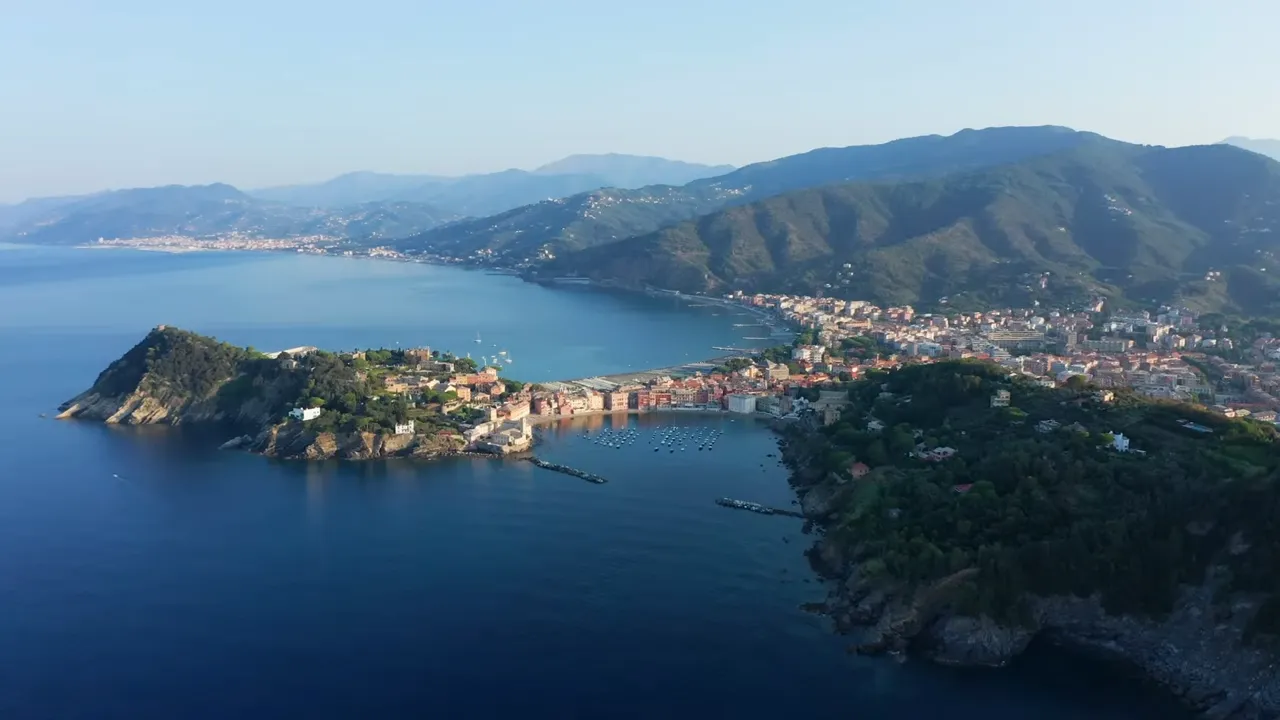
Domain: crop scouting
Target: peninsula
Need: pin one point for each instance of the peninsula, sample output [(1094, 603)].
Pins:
[(966, 508), (307, 403)]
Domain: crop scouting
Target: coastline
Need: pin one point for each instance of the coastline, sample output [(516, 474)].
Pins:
[(769, 319), (539, 420)]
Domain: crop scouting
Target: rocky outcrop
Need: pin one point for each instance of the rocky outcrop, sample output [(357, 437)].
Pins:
[(975, 641), (1198, 651), (293, 441), (138, 408)]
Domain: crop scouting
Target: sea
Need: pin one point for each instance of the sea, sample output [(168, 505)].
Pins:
[(145, 574)]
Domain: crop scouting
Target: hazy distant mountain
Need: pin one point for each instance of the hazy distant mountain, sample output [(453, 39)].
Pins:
[(207, 211), (609, 215), (633, 171), (1134, 221), (1262, 146), (492, 193), (19, 213), (352, 189)]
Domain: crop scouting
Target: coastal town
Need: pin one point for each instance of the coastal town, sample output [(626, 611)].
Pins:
[(1172, 354), (1169, 355)]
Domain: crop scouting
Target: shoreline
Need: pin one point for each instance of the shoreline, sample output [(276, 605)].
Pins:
[(540, 420)]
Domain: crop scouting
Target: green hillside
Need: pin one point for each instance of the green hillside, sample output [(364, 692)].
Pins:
[(533, 232), (1142, 223)]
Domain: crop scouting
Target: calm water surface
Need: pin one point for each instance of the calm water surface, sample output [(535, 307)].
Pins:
[(144, 575)]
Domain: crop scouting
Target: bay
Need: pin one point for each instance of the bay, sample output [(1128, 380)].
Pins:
[(145, 575)]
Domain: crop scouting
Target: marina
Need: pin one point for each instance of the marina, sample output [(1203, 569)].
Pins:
[(671, 438)]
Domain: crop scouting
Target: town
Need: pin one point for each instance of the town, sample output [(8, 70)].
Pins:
[(1166, 356), (1171, 355)]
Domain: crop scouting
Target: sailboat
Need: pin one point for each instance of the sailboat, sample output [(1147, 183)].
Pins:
[(477, 338)]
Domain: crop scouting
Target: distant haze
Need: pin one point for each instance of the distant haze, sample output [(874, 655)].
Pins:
[(1262, 146), (137, 93)]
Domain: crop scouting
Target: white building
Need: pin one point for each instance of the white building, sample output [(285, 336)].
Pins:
[(475, 434), (744, 404), (510, 437), (404, 428), (1120, 443), (304, 414)]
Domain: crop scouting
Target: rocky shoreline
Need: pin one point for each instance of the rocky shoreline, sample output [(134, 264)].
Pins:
[(1197, 652), (254, 431)]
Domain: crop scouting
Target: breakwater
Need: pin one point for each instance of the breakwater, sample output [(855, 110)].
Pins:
[(556, 467), (757, 508)]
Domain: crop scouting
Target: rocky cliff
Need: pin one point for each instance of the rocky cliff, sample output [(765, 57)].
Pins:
[(294, 441), (1199, 650)]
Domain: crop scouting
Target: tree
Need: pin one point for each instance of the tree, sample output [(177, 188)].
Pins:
[(876, 453), (315, 402), (1077, 383)]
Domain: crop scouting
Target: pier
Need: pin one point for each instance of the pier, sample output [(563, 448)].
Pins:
[(757, 508), (565, 469)]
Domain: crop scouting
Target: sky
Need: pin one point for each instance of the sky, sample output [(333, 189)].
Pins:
[(129, 93)]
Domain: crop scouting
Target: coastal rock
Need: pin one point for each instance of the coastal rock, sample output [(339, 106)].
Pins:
[(818, 501), (976, 641), (236, 443), (1195, 652), (293, 441), (136, 408), (828, 559), (1199, 654)]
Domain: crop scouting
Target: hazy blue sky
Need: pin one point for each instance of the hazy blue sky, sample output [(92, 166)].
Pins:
[(97, 94)]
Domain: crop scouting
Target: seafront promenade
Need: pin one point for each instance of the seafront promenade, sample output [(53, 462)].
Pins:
[(604, 383), (553, 419)]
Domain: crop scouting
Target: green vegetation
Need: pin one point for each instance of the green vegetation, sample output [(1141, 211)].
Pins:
[(607, 216), (1050, 511), (1132, 222), (176, 360), (244, 384)]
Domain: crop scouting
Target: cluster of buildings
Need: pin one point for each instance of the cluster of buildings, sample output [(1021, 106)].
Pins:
[(1160, 355), (1167, 355), (315, 244)]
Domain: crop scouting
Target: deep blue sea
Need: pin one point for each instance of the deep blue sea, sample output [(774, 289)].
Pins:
[(144, 574)]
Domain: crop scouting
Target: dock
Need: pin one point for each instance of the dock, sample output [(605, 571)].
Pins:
[(757, 508), (565, 469)]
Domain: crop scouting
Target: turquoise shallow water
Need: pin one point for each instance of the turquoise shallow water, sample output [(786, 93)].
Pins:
[(145, 575)]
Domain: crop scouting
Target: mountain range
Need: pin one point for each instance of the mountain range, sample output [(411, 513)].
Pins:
[(203, 211), (1136, 222), (1016, 214), (553, 227), (492, 193), (359, 206)]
